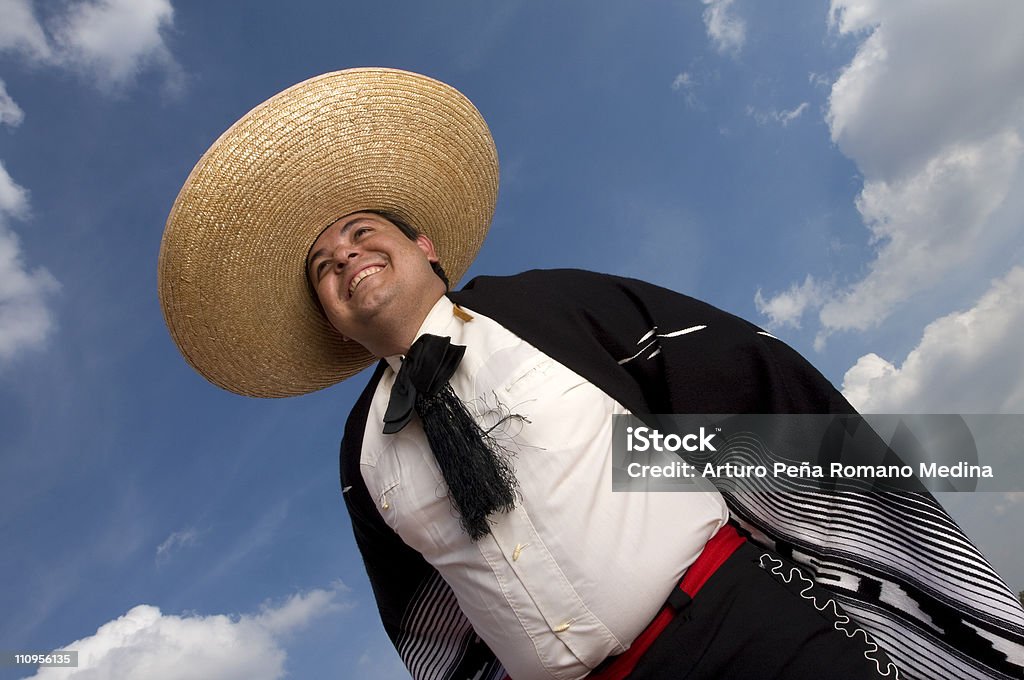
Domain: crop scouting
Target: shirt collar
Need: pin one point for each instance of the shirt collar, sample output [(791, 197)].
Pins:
[(441, 320)]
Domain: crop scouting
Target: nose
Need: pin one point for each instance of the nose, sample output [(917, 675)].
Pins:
[(343, 254)]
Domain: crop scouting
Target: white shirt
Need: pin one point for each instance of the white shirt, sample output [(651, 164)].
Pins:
[(575, 572)]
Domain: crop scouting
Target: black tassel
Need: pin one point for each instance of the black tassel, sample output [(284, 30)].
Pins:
[(479, 478)]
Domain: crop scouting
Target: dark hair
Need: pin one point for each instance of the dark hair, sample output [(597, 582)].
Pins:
[(411, 233)]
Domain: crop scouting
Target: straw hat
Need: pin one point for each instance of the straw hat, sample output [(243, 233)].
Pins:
[(232, 279)]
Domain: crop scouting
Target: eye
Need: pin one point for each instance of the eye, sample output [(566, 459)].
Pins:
[(321, 265), (359, 232)]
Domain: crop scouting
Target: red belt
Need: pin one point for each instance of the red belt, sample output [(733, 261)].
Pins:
[(716, 551)]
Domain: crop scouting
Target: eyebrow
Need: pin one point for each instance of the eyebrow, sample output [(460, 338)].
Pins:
[(323, 251)]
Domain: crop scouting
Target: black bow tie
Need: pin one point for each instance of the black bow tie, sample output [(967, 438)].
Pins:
[(428, 366)]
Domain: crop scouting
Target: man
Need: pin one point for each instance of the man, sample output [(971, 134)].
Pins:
[(476, 464)]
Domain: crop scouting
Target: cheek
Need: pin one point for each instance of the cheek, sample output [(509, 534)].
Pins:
[(336, 319), (319, 291), (327, 297), (328, 288)]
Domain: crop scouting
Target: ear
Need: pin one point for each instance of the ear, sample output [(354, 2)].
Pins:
[(427, 246)]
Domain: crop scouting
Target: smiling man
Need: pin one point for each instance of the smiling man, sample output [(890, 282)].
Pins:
[(476, 465)]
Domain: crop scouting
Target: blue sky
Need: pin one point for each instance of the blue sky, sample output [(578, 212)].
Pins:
[(846, 174)]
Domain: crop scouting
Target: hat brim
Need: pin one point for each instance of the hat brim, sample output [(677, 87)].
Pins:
[(231, 272)]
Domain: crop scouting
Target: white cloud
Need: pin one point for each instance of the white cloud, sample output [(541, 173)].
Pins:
[(783, 118), (25, 318), (929, 74), (819, 79), (966, 362), (13, 198), (787, 117), (108, 41), (20, 30), (176, 541), (301, 608), (683, 81), (727, 31), (929, 224), (10, 113), (1009, 500), (787, 308), (931, 109), (145, 643), (115, 39), (687, 84)]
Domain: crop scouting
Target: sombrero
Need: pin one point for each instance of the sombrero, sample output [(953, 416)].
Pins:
[(231, 273)]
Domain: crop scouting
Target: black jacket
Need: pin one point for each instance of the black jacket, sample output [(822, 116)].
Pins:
[(896, 562)]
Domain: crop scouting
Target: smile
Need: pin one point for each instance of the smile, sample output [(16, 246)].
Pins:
[(358, 278)]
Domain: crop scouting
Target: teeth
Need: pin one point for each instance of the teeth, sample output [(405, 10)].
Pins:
[(369, 271)]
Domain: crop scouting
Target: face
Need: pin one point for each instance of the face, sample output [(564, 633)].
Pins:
[(370, 277)]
